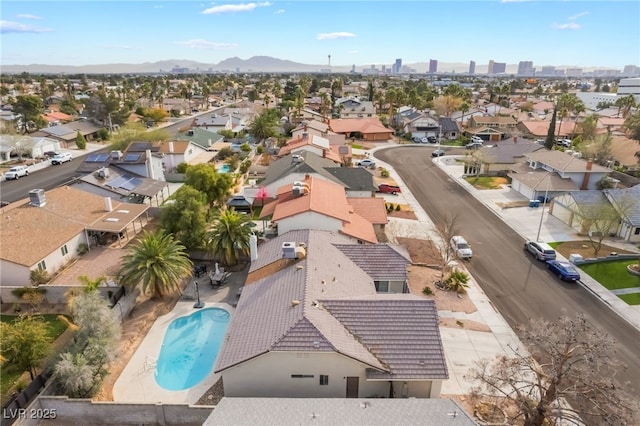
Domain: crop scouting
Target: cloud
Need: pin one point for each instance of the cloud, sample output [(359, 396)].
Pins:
[(567, 26), (333, 36), (7, 27), (574, 17), (279, 12), (27, 16), (199, 43), (232, 8)]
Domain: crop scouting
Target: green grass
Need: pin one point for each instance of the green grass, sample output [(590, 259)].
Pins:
[(555, 245), (485, 182), (631, 299), (613, 274), (356, 146), (8, 376)]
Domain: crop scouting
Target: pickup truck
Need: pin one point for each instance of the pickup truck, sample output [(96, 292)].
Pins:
[(16, 172), (385, 188)]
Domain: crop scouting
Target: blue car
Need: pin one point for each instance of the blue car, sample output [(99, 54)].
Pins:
[(564, 270)]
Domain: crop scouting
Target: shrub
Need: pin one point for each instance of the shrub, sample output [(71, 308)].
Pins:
[(260, 149), (457, 282), (39, 276), (398, 208), (427, 291), (22, 291), (384, 173), (82, 249), (182, 167)]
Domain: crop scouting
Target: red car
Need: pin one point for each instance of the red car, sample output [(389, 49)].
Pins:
[(388, 189)]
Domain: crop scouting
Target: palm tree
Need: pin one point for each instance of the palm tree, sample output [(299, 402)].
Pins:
[(229, 236), (625, 104), (158, 262)]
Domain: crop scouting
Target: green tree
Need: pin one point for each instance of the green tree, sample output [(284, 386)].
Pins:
[(31, 108), (25, 343), (157, 262), (264, 125), (632, 125), (588, 128), (551, 133), (215, 186), (81, 142), (132, 132), (625, 104), (229, 237), (186, 217)]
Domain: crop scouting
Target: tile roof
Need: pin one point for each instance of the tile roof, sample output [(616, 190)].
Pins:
[(313, 163), (323, 197), (541, 180), (124, 183), (400, 330), (506, 153), (337, 411), (360, 228), (353, 178), (32, 233), (379, 261), (448, 125), (304, 307), (563, 162), (627, 201), (541, 128), (370, 208), (362, 125)]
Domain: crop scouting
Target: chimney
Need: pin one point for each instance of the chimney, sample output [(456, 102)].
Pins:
[(107, 204), (587, 175), (307, 178), (171, 147), (149, 163)]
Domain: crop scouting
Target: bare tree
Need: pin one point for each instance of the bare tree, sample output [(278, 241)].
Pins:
[(446, 229), (569, 376)]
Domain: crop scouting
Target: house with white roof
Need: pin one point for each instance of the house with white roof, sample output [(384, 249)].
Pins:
[(310, 324)]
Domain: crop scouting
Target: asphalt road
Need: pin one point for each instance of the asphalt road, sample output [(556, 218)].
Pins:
[(519, 287)]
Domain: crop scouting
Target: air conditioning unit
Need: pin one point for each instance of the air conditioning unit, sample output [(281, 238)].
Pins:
[(289, 250)]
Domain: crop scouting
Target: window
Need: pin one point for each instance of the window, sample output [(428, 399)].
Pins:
[(42, 266), (637, 231), (382, 286), (64, 250), (324, 380)]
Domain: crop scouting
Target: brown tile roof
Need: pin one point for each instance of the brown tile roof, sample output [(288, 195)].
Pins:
[(541, 128), (179, 147), (370, 208), (362, 125), (32, 232)]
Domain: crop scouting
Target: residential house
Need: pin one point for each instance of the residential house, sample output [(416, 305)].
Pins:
[(305, 114), (502, 157), (25, 143), (177, 106), (214, 122), (627, 203), (491, 128), (422, 126), (205, 138), (548, 173), (354, 107), (45, 231), (543, 109), (369, 129), (314, 203), (55, 118), (310, 324), (356, 181), (539, 129), (335, 411), (121, 185), (319, 128), (140, 158), (177, 151), (67, 133), (340, 154), (449, 128)]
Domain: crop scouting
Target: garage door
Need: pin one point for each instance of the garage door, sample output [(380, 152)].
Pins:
[(562, 213)]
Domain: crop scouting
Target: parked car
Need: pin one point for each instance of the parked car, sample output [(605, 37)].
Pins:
[(388, 189), (477, 139), (416, 139), (366, 163), (473, 145), (540, 251), (461, 247), (432, 139), (564, 270), (437, 153), (50, 154), (62, 158), (564, 143), (16, 172)]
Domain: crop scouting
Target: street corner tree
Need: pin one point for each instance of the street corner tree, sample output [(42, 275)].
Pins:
[(569, 374)]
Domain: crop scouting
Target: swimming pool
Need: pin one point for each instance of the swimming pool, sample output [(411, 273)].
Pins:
[(224, 169), (190, 347)]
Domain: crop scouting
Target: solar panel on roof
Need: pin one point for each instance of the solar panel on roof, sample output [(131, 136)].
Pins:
[(91, 158), (132, 157), (115, 183), (131, 184), (102, 157)]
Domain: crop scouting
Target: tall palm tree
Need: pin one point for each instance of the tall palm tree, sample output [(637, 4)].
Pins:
[(229, 236), (157, 262), (625, 104)]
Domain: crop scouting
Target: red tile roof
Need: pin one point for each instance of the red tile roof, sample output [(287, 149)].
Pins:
[(362, 125), (370, 208)]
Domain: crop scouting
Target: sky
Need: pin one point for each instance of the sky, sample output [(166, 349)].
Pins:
[(584, 34)]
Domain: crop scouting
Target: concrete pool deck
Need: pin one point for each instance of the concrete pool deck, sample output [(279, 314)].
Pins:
[(137, 382)]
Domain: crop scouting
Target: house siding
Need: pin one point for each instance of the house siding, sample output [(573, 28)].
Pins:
[(13, 274), (309, 220), (269, 375)]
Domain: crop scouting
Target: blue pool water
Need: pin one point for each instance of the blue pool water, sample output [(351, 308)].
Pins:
[(224, 169), (190, 347)]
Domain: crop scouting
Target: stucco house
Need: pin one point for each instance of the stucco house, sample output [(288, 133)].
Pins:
[(369, 129), (178, 151), (422, 126), (548, 173), (500, 158), (314, 203), (317, 145), (67, 133), (315, 127), (207, 139), (354, 107), (45, 230), (310, 324)]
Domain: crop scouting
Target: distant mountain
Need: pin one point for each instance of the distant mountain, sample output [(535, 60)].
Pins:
[(253, 64)]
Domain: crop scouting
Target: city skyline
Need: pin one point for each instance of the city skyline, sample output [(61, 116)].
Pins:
[(581, 34)]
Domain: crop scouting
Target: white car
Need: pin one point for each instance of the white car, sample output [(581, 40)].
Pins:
[(16, 172), (461, 247), (61, 158), (366, 163), (477, 139)]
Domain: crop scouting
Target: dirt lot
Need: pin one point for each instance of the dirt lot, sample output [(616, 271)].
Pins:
[(585, 249)]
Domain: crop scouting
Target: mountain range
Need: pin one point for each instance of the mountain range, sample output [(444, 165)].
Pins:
[(254, 64)]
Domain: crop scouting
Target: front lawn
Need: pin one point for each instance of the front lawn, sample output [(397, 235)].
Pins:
[(631, 299), (613, 274), (487, 182)]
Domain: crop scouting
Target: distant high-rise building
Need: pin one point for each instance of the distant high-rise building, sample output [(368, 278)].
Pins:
[(490, 67), (631, 71), (384, 69), (397, 66), (525, 68), (548, 71), (472, 67), (573, 72), (353, 68), (499, 67), (433, 66)]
